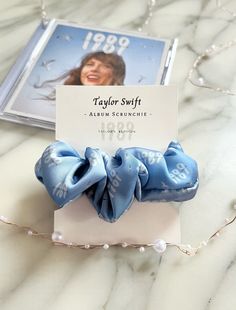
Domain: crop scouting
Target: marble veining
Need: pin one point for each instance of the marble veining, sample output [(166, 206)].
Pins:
[(36, 275)]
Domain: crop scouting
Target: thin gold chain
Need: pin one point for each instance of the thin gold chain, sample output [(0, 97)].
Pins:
[(44, 17), (151, 5), (206, 55), (209, 53), (224, 8), (57, 238)]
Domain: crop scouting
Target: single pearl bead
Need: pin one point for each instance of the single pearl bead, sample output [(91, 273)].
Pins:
[(227, 220), (141, 249), (87, 246), (159, 246), (201, 80), (106, 246), (29, 232), (203, 243), (124, 245), (3, 218), (217, 234), (56, 236)]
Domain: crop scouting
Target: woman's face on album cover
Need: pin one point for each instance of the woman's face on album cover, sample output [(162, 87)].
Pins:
[(96, 72)]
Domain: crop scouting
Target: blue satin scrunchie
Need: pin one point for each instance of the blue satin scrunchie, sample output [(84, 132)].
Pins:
[(112, 182)]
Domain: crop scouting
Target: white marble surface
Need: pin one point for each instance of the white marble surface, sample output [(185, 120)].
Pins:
[(36, 275)]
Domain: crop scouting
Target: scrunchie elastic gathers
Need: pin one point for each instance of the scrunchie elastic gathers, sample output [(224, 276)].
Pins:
[(112, 182)]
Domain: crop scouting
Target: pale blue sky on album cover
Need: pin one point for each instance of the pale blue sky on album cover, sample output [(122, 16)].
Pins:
[(142, 57), (64, 51)]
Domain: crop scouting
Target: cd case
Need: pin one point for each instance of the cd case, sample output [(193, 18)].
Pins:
[(67, 53)]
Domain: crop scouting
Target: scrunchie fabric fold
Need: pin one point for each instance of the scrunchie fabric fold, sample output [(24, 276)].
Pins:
[(112, 182)]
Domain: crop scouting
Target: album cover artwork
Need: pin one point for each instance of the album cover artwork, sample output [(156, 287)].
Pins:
[(69, 54)]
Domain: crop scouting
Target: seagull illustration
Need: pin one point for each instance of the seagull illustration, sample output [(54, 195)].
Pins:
[(141, 78), (65, 37), (47, 64)]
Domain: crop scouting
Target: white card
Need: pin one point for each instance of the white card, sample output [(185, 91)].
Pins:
[(96, 116), (110, 117)]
